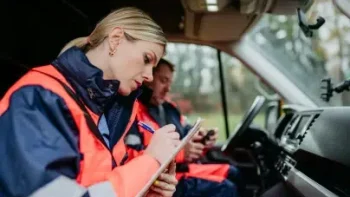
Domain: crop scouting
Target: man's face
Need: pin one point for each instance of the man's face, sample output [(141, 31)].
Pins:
[(162, 80)]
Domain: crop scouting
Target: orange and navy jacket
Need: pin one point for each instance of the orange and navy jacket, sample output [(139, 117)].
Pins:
[(49, 144)]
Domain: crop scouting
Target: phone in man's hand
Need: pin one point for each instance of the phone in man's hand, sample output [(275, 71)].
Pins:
[(210, 133)]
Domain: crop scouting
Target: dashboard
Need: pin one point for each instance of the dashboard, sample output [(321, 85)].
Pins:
[(314, 151)]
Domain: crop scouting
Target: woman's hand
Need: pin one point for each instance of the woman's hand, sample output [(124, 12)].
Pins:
[(165, 185), (163, 143)]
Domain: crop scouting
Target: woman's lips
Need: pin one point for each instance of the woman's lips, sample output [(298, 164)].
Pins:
[(138, 84)]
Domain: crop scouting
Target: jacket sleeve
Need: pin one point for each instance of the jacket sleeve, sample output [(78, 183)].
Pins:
[(39, 147), (38, 141)]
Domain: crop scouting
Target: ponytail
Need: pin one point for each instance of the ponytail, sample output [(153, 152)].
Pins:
[(80, 42)]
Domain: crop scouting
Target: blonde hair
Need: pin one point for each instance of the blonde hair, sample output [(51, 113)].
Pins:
[(136, 24)]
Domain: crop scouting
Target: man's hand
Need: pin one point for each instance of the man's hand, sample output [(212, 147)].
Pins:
[(212, 140), (194, 149), (165, 185)]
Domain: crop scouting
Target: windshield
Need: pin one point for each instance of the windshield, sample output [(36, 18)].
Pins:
[(306, 61)]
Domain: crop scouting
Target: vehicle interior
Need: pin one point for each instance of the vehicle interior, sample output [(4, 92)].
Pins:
[(298, 146)]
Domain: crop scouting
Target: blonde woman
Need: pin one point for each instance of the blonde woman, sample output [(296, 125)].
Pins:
[(54, 139)]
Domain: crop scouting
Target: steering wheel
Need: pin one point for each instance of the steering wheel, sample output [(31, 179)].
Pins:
[(243, 126)]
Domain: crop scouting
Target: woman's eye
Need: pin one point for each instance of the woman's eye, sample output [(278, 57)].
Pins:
[(146, 59)]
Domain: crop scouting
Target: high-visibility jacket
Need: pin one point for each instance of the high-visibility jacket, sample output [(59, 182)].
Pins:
[(138, 139), (49, 140), (140, 144)]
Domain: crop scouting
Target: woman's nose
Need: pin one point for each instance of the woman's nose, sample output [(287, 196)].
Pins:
[(148, 74)]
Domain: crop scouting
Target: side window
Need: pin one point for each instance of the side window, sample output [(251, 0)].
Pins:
[(196, 86), (241, 89)]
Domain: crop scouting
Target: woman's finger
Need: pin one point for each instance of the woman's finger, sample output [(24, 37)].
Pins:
[(162, 192), (172, 168), (153, 194), (174, 135), (164, 185), (167, 178)]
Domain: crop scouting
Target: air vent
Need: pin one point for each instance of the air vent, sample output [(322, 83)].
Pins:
[(312, 121), (302, 136), (283, 125)]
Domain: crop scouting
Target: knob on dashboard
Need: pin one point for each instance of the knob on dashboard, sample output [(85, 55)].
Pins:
[(285, 169)]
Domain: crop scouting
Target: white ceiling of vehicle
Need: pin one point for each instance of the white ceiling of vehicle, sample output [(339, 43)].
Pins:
[(228, 20)]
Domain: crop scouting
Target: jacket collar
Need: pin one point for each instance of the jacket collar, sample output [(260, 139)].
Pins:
[(145, 97), (87, 79)]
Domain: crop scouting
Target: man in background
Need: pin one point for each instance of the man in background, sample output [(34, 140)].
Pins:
[(155, 110)]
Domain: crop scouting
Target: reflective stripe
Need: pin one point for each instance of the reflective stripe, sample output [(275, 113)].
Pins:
[(61, 186), (133, 139), (103, 128), (104, 189)]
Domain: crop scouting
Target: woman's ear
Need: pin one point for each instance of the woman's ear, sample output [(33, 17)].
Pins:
[(114, 38)]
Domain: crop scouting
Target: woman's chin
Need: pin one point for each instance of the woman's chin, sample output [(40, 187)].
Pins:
[(124, 91)]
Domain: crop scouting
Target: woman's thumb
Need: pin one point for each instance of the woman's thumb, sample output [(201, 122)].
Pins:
[(172, 168)]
